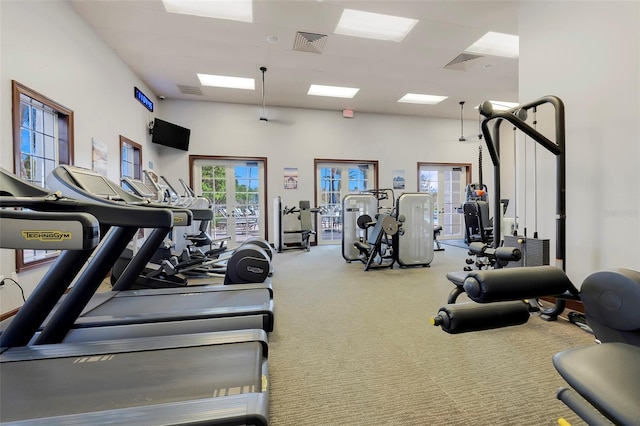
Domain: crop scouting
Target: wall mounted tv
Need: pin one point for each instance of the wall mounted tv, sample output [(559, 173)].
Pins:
[(172, 135)]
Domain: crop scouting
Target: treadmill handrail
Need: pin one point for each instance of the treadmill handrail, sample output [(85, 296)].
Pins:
[(109, 214), (27, 229)]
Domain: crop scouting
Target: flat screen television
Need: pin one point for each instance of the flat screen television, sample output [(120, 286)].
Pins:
[(169, 134)]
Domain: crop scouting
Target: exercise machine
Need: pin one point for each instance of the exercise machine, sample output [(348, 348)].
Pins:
[(403, 233), (302, 228), (414, 245), (168, 270), (437, 229), (517, 117), (355, 206), (132, 381), (609, 390), (378, 250), (404, 236), (219, 306)]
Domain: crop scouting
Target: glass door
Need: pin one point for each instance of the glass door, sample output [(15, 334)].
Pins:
[(446, 184), (236, 191), (335, 181)]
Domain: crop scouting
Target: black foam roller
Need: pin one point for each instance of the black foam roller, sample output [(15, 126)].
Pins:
[(477, 248), (465, 317), (511, 254), (530, 282)]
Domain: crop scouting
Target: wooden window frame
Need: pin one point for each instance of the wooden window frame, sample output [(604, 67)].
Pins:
[(137, 163), (263, 160), (431, 163), (318, 161), (65, 146)]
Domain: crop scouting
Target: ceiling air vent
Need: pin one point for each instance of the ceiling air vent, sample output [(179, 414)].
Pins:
[(309, 42), (189, 90), (460, 61)]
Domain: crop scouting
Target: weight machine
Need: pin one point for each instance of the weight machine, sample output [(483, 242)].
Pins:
[(404, 235), (305, 229)]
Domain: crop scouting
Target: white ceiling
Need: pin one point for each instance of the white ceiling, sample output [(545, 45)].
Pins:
[(166, 50)]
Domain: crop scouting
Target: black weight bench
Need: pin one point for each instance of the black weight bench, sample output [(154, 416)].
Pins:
[(607, 377), (604, 379)]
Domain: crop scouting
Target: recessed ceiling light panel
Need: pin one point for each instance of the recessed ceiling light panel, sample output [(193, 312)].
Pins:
[(496, 44), (332, 91), (414, 98), (235, 10), (374, 25), (228, 82)]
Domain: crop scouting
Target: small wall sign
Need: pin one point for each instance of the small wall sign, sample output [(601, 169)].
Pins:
[(142, 98)]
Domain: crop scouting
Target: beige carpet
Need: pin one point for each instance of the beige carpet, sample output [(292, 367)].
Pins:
[(356, 348)]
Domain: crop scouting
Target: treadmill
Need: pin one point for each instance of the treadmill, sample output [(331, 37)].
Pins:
[(84, 315), (165, 274), (198, 379)]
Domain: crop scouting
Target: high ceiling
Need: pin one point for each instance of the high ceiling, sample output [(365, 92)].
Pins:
[(167, 50)]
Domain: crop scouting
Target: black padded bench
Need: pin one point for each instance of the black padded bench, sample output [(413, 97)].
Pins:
[(607, 376)]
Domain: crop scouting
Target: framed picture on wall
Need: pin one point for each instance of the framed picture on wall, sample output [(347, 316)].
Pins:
[(99, 156), (398, 179), (290, 178)]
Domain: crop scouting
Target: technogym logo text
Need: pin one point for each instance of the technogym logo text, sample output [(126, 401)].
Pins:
[(46, 236)]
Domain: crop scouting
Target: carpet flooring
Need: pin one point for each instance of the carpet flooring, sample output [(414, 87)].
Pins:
[(356, 348)]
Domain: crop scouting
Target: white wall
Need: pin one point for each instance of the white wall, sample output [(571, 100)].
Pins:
[(588, 54), (47, 47), (298, 136)]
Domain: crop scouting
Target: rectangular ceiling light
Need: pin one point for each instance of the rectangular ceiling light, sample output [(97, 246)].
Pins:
[(235, 10), (414, 98), (374, 25), (496, 44), (332, 91), (228, 82)]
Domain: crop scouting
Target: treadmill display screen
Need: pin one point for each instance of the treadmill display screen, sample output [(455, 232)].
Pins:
[(95, 184), (139, 188)]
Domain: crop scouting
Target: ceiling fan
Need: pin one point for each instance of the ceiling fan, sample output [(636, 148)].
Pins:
[(263, 114)]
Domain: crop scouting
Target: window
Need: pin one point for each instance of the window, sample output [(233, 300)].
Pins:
[(446, 183), (130, 159), (334, 180), (236, 188), (42, 140)]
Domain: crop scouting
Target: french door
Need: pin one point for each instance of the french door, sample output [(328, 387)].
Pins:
[(335, 180), (446, 184), (236, 190)]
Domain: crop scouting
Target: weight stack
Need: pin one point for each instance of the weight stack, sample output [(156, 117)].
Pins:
[(535, 252)]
